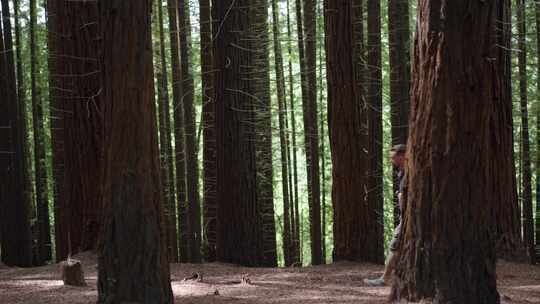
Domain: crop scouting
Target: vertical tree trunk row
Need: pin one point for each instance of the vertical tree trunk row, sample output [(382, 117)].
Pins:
[(528, 223), (192, 168), (44, 248), (311, 130), (280, 77), (165, 143)]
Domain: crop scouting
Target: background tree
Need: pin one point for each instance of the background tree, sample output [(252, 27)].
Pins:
[(447, 208), (400, 75), (166, 142), (44, 246), (353, 220), (76, 110), (283, 137), (374, 101), (133, 240), (311, 130), (239, 233), (192, 169), (179, 138), (16, 247), (528, 222), (209, 136), (263, 126)]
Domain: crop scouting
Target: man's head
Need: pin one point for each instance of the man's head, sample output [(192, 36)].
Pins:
[(397, 155)]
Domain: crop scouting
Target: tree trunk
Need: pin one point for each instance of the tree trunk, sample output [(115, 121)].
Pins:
[(375, 161), (311, 129), (44, 246), (537, 226), (322, 123), (132, 255), (179, 139), (353, 219), (280, 76), (263, 127), (209, 136), (192, 168), (21, 95), (76, 126), (400, 75), (447, 252), (528, 222), (295, 218), (239, 232), (16, 247), (166, 148), (506, 213)]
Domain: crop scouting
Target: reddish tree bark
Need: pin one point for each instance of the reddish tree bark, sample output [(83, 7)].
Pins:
[(447, 251), (132, 256)]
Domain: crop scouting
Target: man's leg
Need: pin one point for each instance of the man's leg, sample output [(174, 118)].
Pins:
[(391, 262)]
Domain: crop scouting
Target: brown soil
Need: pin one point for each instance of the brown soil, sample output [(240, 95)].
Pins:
[(338, 283)]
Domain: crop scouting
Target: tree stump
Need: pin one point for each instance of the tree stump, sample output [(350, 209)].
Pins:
[(72, 272)]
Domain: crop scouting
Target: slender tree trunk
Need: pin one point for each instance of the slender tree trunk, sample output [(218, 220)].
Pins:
[(21, 95), (400, 75), (209, 136), (76, 126), (537, 227), (179, 139), (447, 253), (239, 237), (165, 141), (374, 100), (192, 168), (42, 192), (16, 247), (133, 240), (322, 148), (280, 76), (312, 130), (263, 126), (528, 222), (295, 218)]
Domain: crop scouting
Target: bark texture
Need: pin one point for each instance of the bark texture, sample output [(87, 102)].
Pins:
[(448, 253), (132, 256)]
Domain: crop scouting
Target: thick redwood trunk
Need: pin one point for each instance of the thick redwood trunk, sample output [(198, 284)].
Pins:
[(353, 220), (239, 229), (447, 252), (76, 127), (16, 244), (132, 256)]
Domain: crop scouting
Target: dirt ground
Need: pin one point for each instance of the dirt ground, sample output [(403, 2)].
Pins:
[(338, 283)]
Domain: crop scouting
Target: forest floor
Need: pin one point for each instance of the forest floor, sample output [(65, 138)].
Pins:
[(222, 283)]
